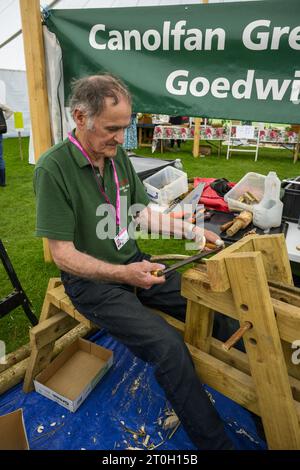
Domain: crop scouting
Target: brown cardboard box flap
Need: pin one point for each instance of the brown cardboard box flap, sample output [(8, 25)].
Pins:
[(12, 431)]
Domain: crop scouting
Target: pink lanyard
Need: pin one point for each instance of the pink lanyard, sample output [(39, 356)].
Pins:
[(78, 145)]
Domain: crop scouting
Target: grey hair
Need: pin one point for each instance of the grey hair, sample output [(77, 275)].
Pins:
[(89, 94)]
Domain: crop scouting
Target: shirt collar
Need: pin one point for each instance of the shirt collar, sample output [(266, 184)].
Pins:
[(78, 157)]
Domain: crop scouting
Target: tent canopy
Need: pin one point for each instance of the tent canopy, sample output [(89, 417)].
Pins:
[(13, 87), (12, 54)]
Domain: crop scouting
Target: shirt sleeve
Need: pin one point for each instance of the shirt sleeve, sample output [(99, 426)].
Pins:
[(54, 214)]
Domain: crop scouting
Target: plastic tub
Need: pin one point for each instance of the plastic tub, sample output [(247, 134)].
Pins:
[(253, 182), (267, 214), (166, 185)]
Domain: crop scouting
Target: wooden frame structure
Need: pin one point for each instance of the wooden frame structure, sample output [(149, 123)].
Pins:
[(250, 281), (36, 82)]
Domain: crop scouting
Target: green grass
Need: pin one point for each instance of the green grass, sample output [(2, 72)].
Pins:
[(17, 220)]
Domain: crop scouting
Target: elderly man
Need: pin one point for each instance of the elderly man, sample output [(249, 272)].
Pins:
[(79, 185)]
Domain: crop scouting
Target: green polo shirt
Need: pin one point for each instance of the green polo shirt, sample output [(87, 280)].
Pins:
[(70, 205)]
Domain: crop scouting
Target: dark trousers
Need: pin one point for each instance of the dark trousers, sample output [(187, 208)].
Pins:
[(127, 317), (2, 163)]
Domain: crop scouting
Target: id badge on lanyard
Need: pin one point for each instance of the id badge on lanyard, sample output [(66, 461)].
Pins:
[(121, 238)]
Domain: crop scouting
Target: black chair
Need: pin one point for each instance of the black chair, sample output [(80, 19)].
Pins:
[(17, 297)]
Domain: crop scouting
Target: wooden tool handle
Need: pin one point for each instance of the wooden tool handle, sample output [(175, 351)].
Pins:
[(224, 227), (210, 246), (237, 336), (156, 273)]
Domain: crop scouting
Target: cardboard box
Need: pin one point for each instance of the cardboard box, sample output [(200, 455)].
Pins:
[(12, 431), (71, 377), (205, 150)]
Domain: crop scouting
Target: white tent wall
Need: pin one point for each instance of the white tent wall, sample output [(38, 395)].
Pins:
[(13, 93)]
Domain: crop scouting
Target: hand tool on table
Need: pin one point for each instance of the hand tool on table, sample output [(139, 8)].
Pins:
[(200, 215), (241, 221), (190, 259), (291, 181), (191, 201)]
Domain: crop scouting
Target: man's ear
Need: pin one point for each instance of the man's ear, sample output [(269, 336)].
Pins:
[(80, 119)]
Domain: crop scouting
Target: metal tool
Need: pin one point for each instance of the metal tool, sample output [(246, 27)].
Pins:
[(291, 181), (208, 215), (190, 201), (189, 260)]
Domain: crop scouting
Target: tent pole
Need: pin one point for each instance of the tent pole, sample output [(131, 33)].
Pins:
[(36, 82), (197, 126)]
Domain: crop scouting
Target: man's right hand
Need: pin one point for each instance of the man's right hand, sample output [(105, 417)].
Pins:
[(139, 274)]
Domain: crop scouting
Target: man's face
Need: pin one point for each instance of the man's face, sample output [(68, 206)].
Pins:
[(106, 130)]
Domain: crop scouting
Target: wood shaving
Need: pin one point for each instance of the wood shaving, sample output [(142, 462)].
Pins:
[(170, 422)]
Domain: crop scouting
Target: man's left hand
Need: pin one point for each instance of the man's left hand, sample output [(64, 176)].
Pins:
[(209, 238)]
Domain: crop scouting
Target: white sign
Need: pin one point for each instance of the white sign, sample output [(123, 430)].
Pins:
[(244, 132)]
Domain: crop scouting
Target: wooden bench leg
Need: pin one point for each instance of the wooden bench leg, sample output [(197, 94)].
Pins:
[(198, 325)]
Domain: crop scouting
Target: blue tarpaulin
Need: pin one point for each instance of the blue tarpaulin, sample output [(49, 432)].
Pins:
[(126, 406)]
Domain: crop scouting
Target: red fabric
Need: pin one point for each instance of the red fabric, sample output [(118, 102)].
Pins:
[(209, 197)]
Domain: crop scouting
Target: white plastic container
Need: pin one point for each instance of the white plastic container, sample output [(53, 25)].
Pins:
[(166, 185), (268, 213), (253, 182)]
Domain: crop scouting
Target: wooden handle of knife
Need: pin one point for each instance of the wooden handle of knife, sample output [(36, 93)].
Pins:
[(156, 273)]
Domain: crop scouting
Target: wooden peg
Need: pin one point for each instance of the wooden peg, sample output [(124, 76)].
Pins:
[(237, 335)]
